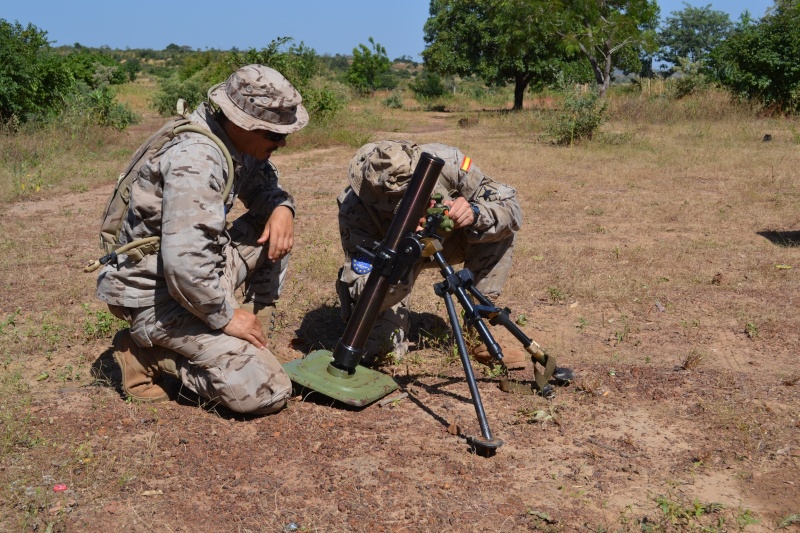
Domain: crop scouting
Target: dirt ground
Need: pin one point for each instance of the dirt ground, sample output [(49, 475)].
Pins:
[(664, 272)]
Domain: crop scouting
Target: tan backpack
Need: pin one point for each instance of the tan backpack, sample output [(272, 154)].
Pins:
[(117, 206)]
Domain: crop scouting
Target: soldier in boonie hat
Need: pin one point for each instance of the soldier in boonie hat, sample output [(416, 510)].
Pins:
[(486, 217), (257, 97), (179, 297)]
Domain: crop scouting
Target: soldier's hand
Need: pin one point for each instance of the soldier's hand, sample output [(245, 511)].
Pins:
[(460, 212), (279, 231), (246, 326)]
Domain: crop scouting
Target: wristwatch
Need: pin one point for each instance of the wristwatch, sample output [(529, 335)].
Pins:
[(475, 213)]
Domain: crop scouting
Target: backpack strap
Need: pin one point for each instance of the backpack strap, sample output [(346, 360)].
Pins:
[(139, 248)]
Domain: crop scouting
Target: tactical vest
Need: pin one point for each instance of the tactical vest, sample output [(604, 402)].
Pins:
[(117, 206)]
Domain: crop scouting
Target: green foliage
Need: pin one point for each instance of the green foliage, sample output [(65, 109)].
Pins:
[(758, 60), (692, 33), (789, 520), (427, 85), (324, 99), (17, 430), (298, 63), (610, 34), (85, 107), (39, 85), (686, 515), (690, 78), (337, 64), (100, 324), (367, 67), (33, 79), (132, 67), (171, 89), (95, 69), (394, 100), (582, 115), (501, 42)]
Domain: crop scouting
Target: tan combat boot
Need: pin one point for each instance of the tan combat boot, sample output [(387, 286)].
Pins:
[(514, 356), (142, 368), (266, 315)]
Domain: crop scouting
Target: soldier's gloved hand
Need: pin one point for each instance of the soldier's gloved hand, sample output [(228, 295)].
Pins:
[(245, 326), (460, 212), (279, 231)]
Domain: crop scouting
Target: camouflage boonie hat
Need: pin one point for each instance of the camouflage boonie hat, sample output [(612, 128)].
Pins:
[(257, 97), (383, 168)]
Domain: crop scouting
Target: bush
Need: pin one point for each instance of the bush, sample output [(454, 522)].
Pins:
[(582, 115), (394, 100), (86, 107), (688, 78), (324, 99), (33, 79), (94, 68), (758, 61), (299, 64), (427, 86), (173, 88)]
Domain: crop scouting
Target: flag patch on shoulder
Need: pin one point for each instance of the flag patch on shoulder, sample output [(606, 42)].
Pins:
[(466, 164)]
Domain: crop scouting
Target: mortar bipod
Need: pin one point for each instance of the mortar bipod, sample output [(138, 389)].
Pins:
[(501, 316), (461, 284)]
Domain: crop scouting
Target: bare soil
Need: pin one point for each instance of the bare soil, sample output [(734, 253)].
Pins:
[(663, 271)]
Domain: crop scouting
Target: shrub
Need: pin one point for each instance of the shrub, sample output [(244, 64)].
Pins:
[(85, 107), (582, 115), (324, 99), (173, 88), (427, 86), (688, 78), (394, 100), (758, 61), (34, 79)]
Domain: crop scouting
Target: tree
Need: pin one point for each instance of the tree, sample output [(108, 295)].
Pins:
[(33, 79), (501, 42), (758, 60), (692, 33), (609, 33), (367, 66)]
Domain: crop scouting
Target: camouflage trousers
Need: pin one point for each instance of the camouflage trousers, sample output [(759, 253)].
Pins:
[(489, 262), (218, 367)]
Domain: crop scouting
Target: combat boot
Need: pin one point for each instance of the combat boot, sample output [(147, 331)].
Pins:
[(266, 315), (142, 368), (514, 356)]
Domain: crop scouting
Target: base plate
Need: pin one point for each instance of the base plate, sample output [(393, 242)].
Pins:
[(359, 389)]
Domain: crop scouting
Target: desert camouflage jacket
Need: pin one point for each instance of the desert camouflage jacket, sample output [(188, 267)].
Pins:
[(177, 195), (500, 213)]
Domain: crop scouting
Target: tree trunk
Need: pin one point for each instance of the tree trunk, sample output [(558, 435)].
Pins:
[(520, 84), (599, 75), (606, 72)]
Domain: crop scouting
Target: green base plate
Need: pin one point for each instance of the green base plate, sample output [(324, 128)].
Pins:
[(360, 389)]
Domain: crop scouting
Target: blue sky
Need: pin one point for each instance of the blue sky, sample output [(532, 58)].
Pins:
[(328, 26)]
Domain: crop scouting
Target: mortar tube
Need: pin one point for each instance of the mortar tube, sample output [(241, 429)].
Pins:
[(350, 348)]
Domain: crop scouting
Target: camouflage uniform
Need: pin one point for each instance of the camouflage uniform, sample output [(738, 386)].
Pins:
[(366, 210), (181, 297)]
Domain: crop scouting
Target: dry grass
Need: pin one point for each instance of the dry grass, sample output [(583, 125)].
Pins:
[(666, 242)]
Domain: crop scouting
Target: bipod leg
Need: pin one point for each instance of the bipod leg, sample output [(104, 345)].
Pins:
[(498, 316), (486, 445)]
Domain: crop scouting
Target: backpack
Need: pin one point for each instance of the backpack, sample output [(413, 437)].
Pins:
[(117, 205)]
